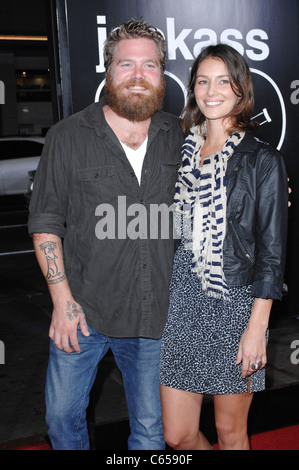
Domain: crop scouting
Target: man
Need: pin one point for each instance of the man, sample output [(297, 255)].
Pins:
[(110, 290)]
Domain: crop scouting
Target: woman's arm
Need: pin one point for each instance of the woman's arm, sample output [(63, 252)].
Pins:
[(252, 347), (271, 235), (271, 224)]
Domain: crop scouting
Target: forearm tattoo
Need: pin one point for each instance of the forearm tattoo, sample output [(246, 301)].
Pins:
[(53, 275)]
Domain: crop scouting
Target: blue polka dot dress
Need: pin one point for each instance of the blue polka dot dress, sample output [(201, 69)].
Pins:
[(202, 334)]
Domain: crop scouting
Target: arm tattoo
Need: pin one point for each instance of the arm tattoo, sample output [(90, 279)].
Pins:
[(53, 275)]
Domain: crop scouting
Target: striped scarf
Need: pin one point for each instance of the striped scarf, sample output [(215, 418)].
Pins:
[(201, 197)]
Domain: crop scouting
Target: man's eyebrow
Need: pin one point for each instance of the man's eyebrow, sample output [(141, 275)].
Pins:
[(131, 59)]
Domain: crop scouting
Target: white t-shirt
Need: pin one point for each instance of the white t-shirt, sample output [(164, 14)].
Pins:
[(136, 157)]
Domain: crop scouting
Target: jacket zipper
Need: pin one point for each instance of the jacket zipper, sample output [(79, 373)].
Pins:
[(240, 243)]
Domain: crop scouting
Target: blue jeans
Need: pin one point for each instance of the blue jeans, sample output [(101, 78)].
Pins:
[(70, 377)]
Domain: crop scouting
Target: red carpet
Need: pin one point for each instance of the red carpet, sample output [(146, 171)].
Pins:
[(279, 439), (39, 446)]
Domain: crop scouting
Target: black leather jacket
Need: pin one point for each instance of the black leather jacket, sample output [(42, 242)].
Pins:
[(257, 211)]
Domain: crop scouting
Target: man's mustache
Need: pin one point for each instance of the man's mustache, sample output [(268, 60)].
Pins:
[(137, 82)]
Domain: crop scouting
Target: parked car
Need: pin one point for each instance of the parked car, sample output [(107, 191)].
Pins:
[(19, 157)]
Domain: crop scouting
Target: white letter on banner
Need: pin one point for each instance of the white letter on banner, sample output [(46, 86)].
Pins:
[(175, 43), (102, 36), (251, 41), (199, 34), (227, 33)]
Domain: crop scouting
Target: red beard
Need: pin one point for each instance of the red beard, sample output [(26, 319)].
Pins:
[(137, 106)]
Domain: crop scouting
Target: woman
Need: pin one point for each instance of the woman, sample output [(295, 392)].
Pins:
[(231, 207)]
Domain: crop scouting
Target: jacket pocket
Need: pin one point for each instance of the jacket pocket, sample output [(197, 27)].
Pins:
[(98, 184), (241, 244)]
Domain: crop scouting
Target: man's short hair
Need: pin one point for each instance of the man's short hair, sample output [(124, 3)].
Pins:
[(131, 30)]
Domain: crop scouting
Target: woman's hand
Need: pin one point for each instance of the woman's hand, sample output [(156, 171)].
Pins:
[(252, 351), (253, 344)]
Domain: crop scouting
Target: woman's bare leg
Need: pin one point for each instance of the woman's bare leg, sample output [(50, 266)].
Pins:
[(231, 416), (181, 417)]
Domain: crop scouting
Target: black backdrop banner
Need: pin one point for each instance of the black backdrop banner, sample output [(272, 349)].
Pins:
[(265, 32)]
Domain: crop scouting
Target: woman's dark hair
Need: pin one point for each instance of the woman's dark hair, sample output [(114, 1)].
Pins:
[(241, 83)]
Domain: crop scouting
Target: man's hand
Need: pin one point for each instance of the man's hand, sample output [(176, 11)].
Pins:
[(64, 325)]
